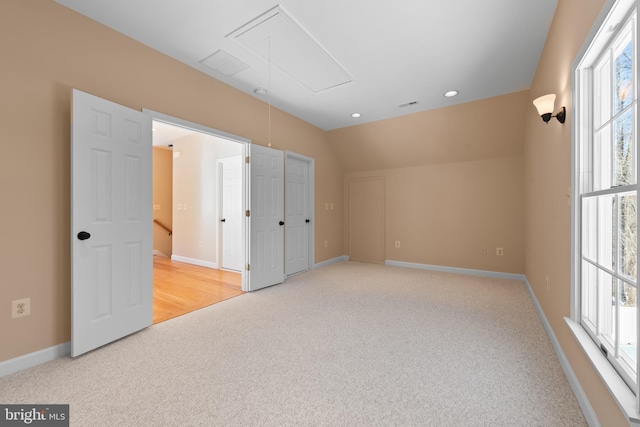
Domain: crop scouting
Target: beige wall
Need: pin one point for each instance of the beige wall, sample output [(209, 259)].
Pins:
[(461, 189), (46, 51), (195, 195), (491, 128), (162, 197), (195, 227), (446, 214), (547, 177)]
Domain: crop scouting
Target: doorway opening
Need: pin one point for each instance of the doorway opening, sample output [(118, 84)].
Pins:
[(198, 238)]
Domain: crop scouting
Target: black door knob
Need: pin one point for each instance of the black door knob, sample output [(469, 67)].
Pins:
[(307, 221), (223, 220), (281, 222), (83, 235)]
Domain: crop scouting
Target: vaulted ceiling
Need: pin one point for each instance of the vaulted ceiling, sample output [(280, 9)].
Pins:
[(324, 60)]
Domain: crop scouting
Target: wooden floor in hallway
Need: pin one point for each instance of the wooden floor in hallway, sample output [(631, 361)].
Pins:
[(179, 288)]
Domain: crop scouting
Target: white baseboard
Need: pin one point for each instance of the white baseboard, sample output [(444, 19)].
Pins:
[(331, 261), (467, 271), (578, 391), (33, 359), (194, 261)]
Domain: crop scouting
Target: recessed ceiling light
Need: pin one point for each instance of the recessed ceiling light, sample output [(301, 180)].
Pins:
[(356, 115), (451, 93), (260, 91)]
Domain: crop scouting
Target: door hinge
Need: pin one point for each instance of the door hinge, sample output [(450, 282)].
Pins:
[(248, 267), (247, 159), (248, 213)]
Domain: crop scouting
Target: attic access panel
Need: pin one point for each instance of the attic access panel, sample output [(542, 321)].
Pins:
[(278, 39)]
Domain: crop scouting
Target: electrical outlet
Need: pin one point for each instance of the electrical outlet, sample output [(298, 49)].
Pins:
[(326, 243), (20, 308), (499, 251), (483, 251), (397, 243)]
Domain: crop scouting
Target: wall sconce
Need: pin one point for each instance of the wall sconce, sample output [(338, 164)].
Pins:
[(545, 105)]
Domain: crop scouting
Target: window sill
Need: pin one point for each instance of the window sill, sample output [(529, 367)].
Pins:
[(617, 387)]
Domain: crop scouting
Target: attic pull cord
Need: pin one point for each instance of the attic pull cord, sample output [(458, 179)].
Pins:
[(269, 93)]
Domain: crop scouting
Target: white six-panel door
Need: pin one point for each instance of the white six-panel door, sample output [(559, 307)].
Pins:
[(112, 258), (231, 215), (298, 215), (266, 254), (111, 223)]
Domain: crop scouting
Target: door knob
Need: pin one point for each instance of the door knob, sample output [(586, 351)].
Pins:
[(223, 220), (281, 222), (83, 235), (307, 221)]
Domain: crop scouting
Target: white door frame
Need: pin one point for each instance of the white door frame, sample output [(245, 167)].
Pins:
[(312, 198), (221, 134)]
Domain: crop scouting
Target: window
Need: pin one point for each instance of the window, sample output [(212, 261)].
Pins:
[(605, 177)]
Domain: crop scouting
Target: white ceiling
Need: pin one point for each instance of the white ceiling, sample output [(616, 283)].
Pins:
[(391, 53), (164, 134)]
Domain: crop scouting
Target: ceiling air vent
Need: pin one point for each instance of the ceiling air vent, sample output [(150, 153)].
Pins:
[(224, 63), (408, 104)]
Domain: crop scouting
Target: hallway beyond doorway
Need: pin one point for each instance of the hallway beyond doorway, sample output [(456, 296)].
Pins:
[(179, 288)]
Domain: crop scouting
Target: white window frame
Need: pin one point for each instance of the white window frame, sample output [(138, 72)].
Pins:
[(614, 16)]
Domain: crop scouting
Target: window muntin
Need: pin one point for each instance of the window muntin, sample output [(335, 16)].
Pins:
[(608, 202)]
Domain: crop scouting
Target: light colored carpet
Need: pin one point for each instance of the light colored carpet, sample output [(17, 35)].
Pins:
[(350, 344)]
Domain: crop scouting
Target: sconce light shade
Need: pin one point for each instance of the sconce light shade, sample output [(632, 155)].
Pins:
[(545, 105)]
